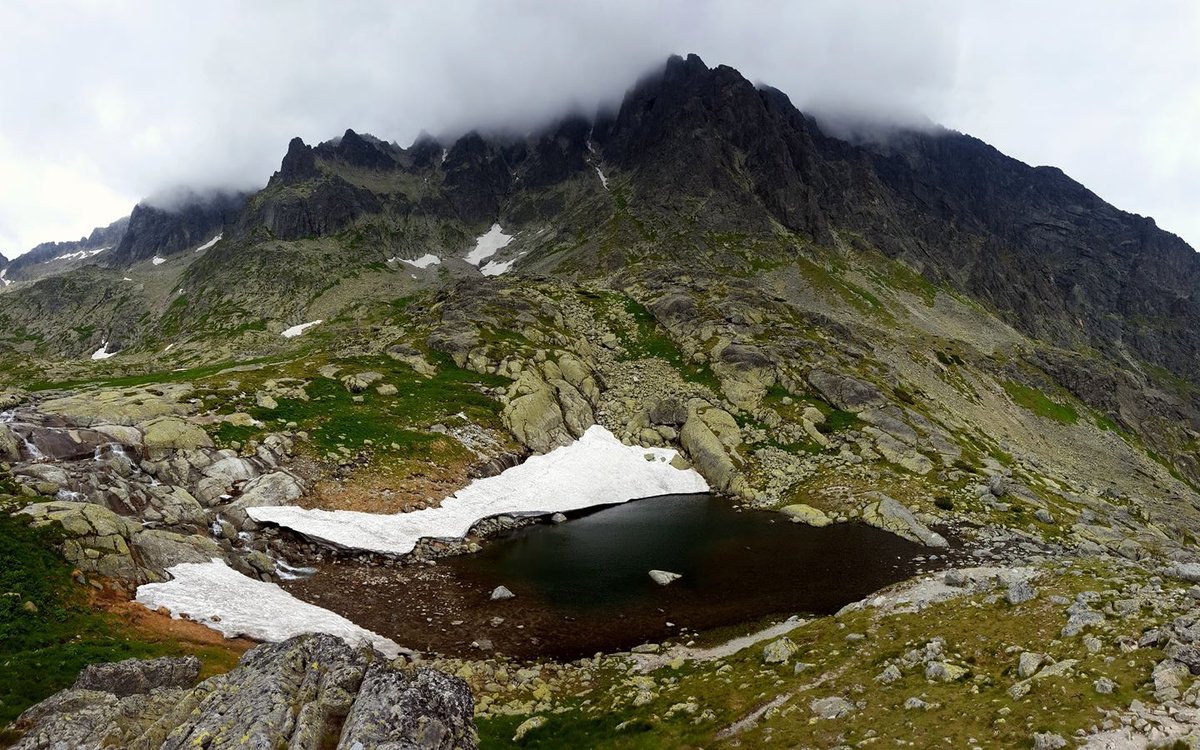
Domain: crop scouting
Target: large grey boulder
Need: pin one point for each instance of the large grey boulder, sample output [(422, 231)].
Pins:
[(10, 445), (890, 515), (268, 490), (421, 708), (133, 676), (845, 392)]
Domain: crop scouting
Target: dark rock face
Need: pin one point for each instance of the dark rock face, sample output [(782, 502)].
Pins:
[(359, 151), (331, 206), (299, 693), (299, 164), (165, 231)]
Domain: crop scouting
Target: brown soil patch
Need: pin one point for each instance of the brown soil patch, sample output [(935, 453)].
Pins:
[(160, 626), (401, 489)]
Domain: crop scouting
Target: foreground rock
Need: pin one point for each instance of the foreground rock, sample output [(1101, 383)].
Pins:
[(301, 693)]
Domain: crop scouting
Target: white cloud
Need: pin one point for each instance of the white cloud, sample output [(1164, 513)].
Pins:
[(108, 101)]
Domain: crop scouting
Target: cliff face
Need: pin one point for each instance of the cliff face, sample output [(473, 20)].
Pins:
[(154, 231)]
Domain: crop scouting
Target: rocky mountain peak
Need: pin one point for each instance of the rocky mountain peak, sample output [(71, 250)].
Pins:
[(359, 151), (299, 163)]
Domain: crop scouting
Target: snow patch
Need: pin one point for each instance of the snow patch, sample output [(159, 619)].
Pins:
[(126, 279), (103, 352), (498, 267), (223, 599), (208, 244), (3, 273), (158, 261), (425, 261), (295, 331), (603, 179), (77, 256), (595, 470), (488, 244)]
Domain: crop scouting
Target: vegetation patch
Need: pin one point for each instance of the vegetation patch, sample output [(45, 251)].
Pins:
[(48, 633), (1039, 403)]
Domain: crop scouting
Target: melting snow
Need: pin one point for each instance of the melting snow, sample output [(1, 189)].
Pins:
[(295, 331), (595, 470), (208, 244), (218, 596), (158, 261), (425, 261), (3, 273), (488, 244), (497, 267), (103, 352), (603, 179), (77, 256)]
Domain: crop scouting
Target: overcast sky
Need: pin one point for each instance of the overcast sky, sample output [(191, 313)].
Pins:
[(103, 102)]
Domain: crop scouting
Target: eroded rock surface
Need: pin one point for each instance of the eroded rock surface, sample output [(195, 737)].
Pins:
[(300, 693)]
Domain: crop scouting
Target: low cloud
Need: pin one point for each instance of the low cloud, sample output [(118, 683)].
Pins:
[(109, 101)]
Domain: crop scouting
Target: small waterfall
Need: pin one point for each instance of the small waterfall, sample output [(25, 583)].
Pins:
[(289, 573), (35, 453)]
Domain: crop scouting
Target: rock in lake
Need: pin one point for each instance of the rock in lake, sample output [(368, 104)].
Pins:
[(500, 593), (664, 577)]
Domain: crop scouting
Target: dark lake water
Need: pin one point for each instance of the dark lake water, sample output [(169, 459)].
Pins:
[(583, 586)]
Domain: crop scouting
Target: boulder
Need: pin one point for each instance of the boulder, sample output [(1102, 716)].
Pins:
[(709, 456), (831, 708), (133, 676), (171, 433), (845, 392), (779, 651), (268, 490), (890, 515), (501, 593), (419, 709), (10, 445), (806, 514), (664, 577)]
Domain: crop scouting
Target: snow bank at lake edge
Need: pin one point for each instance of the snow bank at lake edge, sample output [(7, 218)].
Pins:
[(217, 596), (595, 470)]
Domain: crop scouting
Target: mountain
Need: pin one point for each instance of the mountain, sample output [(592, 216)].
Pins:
[(50, 258), (909, 331)]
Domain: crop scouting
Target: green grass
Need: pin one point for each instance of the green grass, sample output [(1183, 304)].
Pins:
[(42, 651), (647, 338), (396, 424), (1040, 404)]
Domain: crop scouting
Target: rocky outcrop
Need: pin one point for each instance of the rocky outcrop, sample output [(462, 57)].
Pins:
[(98, 541), (311, 692), (547, 413), (846, 392), (133, 501), (709, 438)]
